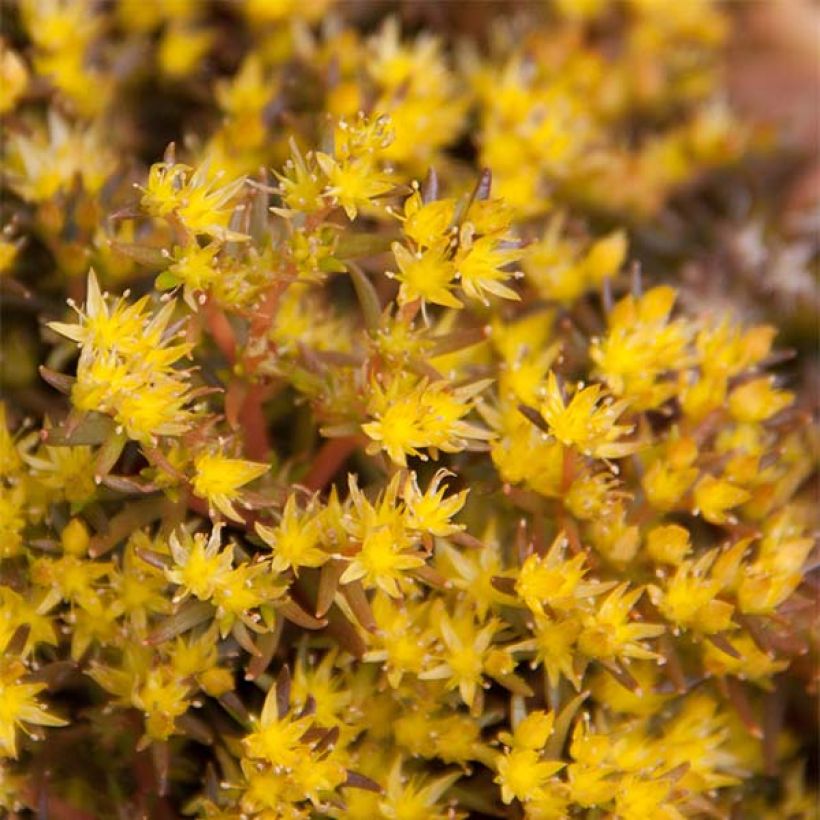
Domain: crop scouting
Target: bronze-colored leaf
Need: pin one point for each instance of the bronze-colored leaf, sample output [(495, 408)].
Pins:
[(560, 731), (192, 613), (367, 296), (356, 599), (59, 381), (90, 429), (294, 613), (328, 584)]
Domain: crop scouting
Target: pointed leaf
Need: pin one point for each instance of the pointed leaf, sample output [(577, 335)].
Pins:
[(109, 454), (266, 644), (560, 731), (190, 614), (354, 246), (328, 584), (233, 705), (154, 559), (144, 254), (295, 614), (360, 781), (368, 298), (355, 596), (283, 692), (430, 187), (134, 516), (59, 381), (93, 428)]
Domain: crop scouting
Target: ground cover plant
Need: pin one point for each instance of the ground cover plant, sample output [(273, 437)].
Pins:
[(407, 411)]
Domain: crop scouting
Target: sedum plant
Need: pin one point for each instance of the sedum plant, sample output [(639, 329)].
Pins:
[(351, 467)]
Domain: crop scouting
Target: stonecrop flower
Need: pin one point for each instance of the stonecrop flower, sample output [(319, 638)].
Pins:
[(295, 541), (194, 197), (412, 415), (19, 706), (588, 421), (218, 479), (522, 773), (430, 432), (126, 367)]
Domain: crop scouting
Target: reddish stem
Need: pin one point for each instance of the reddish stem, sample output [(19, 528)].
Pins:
[(567, 470), (221, 330), (332, 454), (261, 320), (252, 419)]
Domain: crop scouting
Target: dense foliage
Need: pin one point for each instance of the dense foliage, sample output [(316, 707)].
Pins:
[(376, 467)]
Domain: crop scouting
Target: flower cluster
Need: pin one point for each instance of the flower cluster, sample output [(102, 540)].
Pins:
[(350, 466)]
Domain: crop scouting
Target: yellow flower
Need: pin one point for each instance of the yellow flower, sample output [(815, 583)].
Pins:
[(668, 544), (182, 48), (713, 497), (18, 612), (414, 798), (218, 480), (426, 275), (553, 267), (522, 772), (102, 328), (411, 416), (638, 798), (18, 706), (523, 775), (748, 663), (644, 701), (729, 350), (199, 566), (13, 78), (194, 196), (605, 257), (607, 632), (353, 183), (689, 597), (521, 454), (427, 224), (778, 568), (532, 732), (126, 365), (45, 164), (592, 495), (199, 658), (401, 643), (554, 647), (552, 579), (300, 183), (70, 578), (473, 572), (478, 267), (295, 540), (702, 395), (641, 346), (277, 741), (671, 475), (321, 683), (381, 562), (163, 697), (430, 512), (758, 400), (588, 422), (195, 268), (464, 654)]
